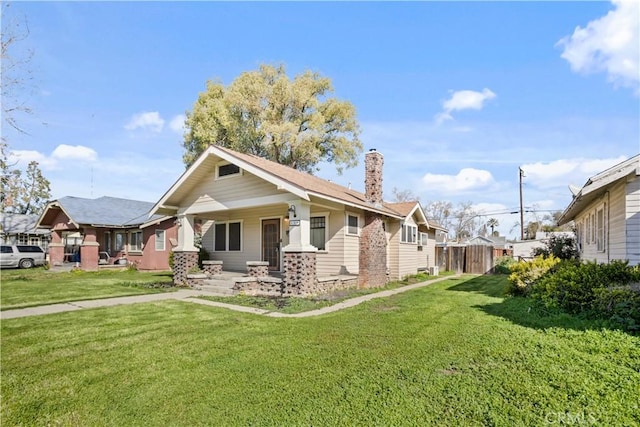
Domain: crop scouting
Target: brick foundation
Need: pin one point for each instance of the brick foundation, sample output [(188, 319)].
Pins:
[(373, 252), (183, 261)]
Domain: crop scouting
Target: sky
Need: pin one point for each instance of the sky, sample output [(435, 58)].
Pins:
[(457, 96)]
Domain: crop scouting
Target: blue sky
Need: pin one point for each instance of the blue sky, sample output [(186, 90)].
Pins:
[(456, 96)]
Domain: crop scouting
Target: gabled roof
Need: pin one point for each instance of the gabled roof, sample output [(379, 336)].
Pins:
[(301, 184), (103, 211), (407, 209), (597, 185), (20, 224)]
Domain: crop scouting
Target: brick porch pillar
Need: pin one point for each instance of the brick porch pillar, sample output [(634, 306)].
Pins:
[(56, 248), (183, 261), (89, 250), (299, 273)]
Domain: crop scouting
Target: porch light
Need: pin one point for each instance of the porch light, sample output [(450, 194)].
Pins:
[(292, 208)]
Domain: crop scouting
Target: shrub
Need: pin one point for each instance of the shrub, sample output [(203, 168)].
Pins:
[(203, 255), (503, 265), (596, 290), (525, 274), (171, 261)]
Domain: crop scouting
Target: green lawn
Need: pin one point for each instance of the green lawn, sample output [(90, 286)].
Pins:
[(27, 288), (455, 353)]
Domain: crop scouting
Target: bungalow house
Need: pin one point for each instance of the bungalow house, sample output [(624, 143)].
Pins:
[(107, 231), (606, 214), (250, 209), (20, 229)]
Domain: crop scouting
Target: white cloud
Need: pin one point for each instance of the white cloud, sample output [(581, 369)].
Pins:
[(146, 121), (177, 123), (610, 43), (24, 157), (468, 179), (561, 173), (464, 100), (74, 152)]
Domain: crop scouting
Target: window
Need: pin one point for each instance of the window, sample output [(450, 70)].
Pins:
[(120, 240), (228, 236), (424, 238), (23, 239), (352, 224), (409, 233), (160, 240), (107, 242), (600, 229), (318, 226), (592, 231), (135, 241), (6, 250), (227, 170)]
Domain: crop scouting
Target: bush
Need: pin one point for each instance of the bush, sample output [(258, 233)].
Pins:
[(171, 261), (503, 265), (596, 290), (203, 255), (525, 274)]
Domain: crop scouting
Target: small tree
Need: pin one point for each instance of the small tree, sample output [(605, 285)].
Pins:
[(559, 246)]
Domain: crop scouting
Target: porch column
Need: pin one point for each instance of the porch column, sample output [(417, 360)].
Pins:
[(299, 256), (185, 255), (56, 248), (89, 250)]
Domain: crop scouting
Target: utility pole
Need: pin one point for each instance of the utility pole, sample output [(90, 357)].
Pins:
[(521, 208)]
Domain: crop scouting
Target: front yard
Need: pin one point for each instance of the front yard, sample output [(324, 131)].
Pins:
[(28, 288), (454, 353)]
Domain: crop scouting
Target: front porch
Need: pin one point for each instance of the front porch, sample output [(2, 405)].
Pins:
[(258, 281)]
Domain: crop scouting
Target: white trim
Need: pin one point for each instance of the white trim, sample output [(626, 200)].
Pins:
[(131, 249)]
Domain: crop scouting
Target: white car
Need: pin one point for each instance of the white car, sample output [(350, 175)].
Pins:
[(23, 256)]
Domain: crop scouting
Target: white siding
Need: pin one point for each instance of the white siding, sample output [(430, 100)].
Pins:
[(393, 252), (616, 210), (632, 217)]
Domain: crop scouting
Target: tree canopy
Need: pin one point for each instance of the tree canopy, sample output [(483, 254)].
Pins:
[(263, 112), (22, 192)]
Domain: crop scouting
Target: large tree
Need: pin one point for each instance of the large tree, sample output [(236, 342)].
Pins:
[(263, 112), (23, 191)]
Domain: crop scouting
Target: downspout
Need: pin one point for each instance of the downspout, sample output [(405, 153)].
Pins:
[(607, 224)]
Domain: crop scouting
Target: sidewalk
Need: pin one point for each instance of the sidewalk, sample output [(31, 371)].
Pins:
[(192, 296)]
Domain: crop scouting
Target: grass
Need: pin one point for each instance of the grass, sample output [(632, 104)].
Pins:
[(28, 288), (454, 353)]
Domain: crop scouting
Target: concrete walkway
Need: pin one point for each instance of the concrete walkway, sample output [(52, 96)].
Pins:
[(192, 296)]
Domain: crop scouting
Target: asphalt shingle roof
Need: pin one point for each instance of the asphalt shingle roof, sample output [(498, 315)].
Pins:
[(111, 211)]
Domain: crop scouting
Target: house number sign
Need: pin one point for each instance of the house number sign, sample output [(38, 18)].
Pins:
[(294, 222)]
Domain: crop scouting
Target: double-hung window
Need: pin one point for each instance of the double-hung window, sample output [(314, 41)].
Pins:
[(160, 240), (409, 233), (135, 241), (600, 229), (352, 225), (227, 236)]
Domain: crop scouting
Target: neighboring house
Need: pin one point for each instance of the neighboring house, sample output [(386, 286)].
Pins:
[(500, 245), (20, 229), (252, 209), (107, 230), (524, 249), (606, 214)]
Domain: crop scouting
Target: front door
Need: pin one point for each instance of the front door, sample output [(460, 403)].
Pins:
[(271, 243)]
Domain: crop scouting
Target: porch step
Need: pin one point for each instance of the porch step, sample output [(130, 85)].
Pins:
[(218, 286)]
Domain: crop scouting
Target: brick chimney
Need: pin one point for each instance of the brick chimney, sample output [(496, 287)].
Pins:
[(373, 162), (372, 260)]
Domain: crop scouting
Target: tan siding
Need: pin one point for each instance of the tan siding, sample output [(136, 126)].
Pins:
[(331, 261), (232, 188), (393, 261), (633, 221), (408, 257), (352, 244)]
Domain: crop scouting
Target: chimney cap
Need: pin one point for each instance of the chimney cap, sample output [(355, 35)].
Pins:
[(372, 149)]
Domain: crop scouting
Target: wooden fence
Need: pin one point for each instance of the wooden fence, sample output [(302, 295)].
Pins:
[(474, 259)]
